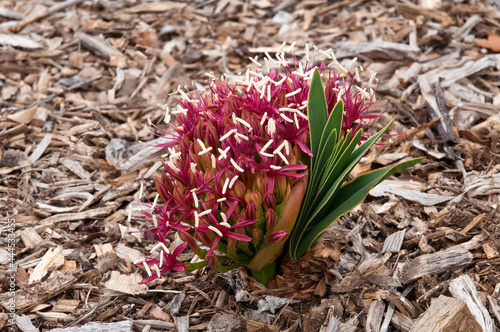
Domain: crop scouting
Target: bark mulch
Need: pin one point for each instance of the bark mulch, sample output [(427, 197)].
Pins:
[(79, 79)]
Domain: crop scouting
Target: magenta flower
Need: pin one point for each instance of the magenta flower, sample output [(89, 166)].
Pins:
[(238, 159)]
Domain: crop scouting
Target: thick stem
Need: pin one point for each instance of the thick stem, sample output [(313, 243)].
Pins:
[(267, 273)]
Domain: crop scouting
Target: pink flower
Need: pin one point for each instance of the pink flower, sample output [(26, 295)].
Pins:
[(235, 152)]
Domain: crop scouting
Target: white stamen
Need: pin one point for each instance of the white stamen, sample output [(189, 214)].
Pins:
[(205, 213), (352, 62), (356, 76), (176, 155), (229, 133), (137, 237), (291, 94), (296, 120), (266, 63), (233, 180), (171, 164), (281, 47), (290, 48), (287, 147), (161, 260), (267, 154), (262, 82), (223, 153), (196, 219), (255, 74), (281, 146), (307, 52), (281, 81), (238, 168), (372, 78), (282, 157), (341, 92), (205, 151), (167, 114), (180, 110), (224, 217), (342, 69), (264, 148), (140, 260), (264, 117), (225, 224), (286, 118), (149, 122), (334, 58), (184, 95), (299, 74), (155, 202), (196, 201), (215, 230), (129, 218), (201, 144), (193, 167), (262, 93), (146, 267), (250, 83), (214, 161), (242, 136), (224, 188), (275, 167), (165, 247), (328, 56), (155, 247), (157, 270), (271, 127), (220, 200), (269, 57), (363, 92), (268, 93), (155, 221), (255, 60)]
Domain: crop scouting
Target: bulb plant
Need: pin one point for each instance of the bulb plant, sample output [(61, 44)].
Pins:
[(258, 166)]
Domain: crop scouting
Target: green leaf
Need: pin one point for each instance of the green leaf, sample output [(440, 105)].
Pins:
[(195, 266), (333, 124), (352, 194), (317, 112)]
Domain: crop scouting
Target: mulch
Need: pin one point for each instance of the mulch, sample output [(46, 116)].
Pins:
[(79, 81)]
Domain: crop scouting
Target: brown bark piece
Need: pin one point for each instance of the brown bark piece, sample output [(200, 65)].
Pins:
[(30, 297), (447, 314), (435, 263)]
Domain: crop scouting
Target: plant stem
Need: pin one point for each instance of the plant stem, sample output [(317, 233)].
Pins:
[(266, 274)]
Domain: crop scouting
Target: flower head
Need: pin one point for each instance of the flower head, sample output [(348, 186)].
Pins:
[(237, 153)]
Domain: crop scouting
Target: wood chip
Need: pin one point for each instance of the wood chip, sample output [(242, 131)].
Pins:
[(127, 284), (446, 315), (463, 288)]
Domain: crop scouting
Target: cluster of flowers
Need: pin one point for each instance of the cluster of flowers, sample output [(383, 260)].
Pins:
[(236, 153)]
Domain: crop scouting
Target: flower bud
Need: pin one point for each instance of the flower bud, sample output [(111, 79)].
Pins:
[(231, 244), (239, 188), (270, 200), (191, 242), (270, 219), (251, 211), (212, 261), (256, 235), (276, 237), (281, 186), (255, 196)]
